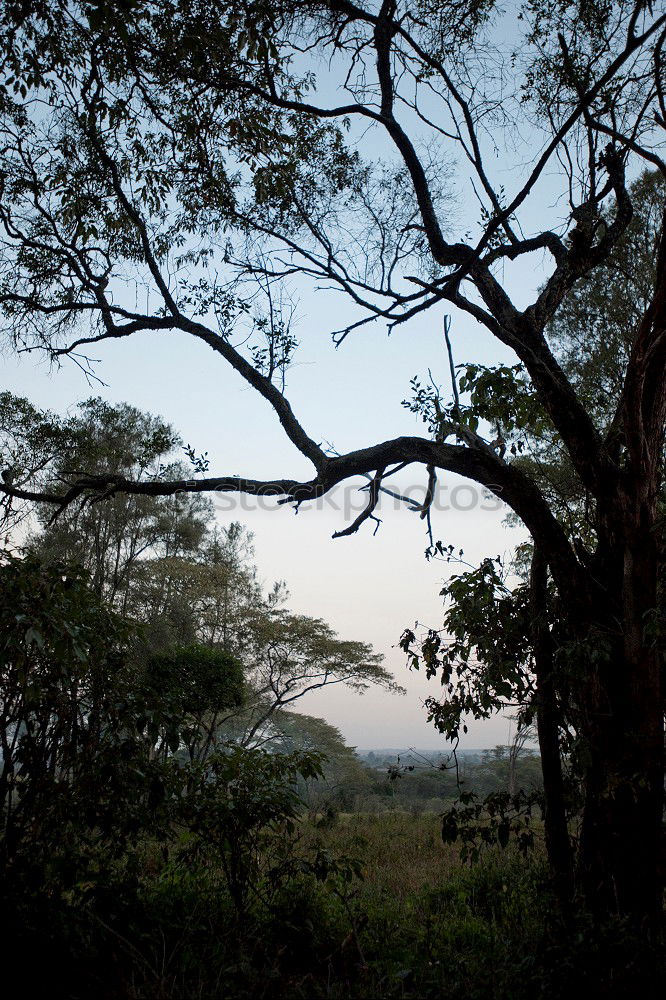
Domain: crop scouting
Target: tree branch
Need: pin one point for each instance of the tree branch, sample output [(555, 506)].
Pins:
[(506, 481)]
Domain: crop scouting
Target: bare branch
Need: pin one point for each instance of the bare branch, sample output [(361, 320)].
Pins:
[(373, 497)]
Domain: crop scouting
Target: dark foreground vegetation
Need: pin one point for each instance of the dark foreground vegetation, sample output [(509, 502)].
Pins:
[(133, 867), (415, 922)]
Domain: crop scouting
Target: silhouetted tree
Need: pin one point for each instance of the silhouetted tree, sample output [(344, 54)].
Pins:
[(183, 137)]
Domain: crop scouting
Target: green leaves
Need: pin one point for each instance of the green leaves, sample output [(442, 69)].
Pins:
[(481, 655), (497, 820), (498, 402), (76, 770), (193, 680), (235, 805), (503, 397)]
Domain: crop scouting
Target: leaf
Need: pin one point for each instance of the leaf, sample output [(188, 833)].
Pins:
[(33, 635)]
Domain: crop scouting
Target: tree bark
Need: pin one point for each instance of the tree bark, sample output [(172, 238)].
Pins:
[(623, 743), (622, 841)]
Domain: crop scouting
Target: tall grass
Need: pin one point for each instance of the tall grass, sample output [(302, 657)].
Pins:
[(415, 923)]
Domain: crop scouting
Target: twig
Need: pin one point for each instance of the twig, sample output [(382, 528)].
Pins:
[(452, 367)]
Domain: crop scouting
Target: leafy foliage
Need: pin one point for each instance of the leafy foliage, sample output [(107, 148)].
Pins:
[(190, 139), (500, 398), (495, 820), (189, 688), (237, 802), (77, 776), (482, 655)]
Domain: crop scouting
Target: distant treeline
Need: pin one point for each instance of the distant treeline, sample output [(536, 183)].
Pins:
[(384, 781)]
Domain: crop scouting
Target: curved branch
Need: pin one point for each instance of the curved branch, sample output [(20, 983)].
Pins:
[(373, 498), (264, 387), (483, 466)]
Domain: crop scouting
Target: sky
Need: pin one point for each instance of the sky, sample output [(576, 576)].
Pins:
[(369, 587)]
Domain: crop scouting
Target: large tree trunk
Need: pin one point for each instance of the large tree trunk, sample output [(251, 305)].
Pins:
[(623, 744), (622, 840)]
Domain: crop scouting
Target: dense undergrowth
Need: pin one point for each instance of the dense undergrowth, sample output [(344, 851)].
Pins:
[(133, 870), (405, 918)]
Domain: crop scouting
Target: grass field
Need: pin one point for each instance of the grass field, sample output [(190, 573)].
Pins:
[(402, 855), (425, 924)]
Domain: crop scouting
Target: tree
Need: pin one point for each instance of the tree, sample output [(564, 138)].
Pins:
[(343, 777), (77, 775), (110, 541), (190, 689), (210, 595), (591, 337), (94, 787), (592, 331), (288, 657), (191, 586), (182, 136), (500, 770), (512, 648)]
